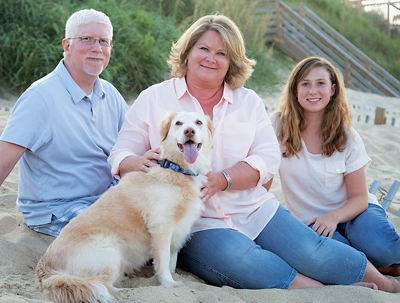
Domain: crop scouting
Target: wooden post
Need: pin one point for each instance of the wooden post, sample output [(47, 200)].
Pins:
[(360, 6), (301, 11), (368, 67), (347, 73), (303, 14), (388, 18), (380, 116), (279, 21)]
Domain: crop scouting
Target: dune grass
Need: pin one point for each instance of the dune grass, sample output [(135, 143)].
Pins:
[(31, 32), (29, 49)]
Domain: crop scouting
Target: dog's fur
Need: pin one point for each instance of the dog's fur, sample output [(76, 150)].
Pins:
[(147, 215)]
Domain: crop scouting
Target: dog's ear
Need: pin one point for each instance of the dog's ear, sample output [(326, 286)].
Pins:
[(209, 125), (165, 124)]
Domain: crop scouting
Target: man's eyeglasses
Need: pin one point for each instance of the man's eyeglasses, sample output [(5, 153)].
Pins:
[(91, 40)]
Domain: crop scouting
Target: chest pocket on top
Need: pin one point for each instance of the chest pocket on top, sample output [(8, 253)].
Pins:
[(237, 139), (334, 173)]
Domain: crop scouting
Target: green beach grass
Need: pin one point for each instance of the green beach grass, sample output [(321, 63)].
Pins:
[(31, 32)]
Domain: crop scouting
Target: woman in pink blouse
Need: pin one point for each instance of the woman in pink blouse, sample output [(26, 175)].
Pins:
[(244, 238)]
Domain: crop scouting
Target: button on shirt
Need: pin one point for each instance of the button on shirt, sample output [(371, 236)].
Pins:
[(242, 132), (68, 137)]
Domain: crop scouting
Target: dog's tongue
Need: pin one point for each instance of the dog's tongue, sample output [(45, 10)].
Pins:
[(190, 152)]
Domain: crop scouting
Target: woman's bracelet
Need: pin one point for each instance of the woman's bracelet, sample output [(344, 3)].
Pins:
[(228, 178)]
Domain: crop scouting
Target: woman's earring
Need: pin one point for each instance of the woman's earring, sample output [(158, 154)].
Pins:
[(186, 61)]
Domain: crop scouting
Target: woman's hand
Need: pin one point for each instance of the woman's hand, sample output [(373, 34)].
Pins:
[(140, 163), (243, 177), (324, 225), (148, 160), (216, 182)]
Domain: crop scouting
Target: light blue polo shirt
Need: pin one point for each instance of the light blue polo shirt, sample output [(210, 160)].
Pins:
[(68, 139)]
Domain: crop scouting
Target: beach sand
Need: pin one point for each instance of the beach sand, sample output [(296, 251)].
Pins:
[(21, 248)]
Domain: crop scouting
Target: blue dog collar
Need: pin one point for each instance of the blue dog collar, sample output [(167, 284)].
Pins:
[(175, 167)]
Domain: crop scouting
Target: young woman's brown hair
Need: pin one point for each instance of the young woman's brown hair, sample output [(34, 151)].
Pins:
[(336, 117)]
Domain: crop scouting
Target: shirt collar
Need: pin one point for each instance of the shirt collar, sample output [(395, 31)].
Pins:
[(180, 86), (77, 94), (181, 89), (228, 93)]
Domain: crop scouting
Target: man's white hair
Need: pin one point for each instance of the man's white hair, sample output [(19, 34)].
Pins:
[(86, 16)]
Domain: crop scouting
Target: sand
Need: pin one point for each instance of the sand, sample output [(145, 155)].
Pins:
[(21, 248)]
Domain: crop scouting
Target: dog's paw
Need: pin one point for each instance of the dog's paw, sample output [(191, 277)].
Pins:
[(172, 283)]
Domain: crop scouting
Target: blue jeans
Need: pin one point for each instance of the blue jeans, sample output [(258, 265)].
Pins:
[(284, 247), (372, 233)]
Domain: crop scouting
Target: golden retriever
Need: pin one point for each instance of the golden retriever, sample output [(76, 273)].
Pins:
[(147, 215)]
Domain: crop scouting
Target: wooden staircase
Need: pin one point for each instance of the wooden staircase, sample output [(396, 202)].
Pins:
[(300, 33)]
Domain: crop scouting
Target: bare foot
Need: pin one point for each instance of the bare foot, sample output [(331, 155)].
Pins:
[(367, 285), (395, 285), (390, 270)]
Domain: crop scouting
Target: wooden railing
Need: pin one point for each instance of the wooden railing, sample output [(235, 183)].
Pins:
[(383, 14), (301, 33)]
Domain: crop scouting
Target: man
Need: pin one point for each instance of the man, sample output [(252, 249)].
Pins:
[(62, 129)]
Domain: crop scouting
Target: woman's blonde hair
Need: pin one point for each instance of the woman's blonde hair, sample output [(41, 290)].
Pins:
[(336, 118), (240, 67)]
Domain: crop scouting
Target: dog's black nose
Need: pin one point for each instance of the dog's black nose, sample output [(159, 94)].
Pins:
[(190, 132)]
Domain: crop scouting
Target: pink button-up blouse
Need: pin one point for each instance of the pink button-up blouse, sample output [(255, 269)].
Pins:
[(242, 132)]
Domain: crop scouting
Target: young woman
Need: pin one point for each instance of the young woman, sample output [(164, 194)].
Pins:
[(324, 162)]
